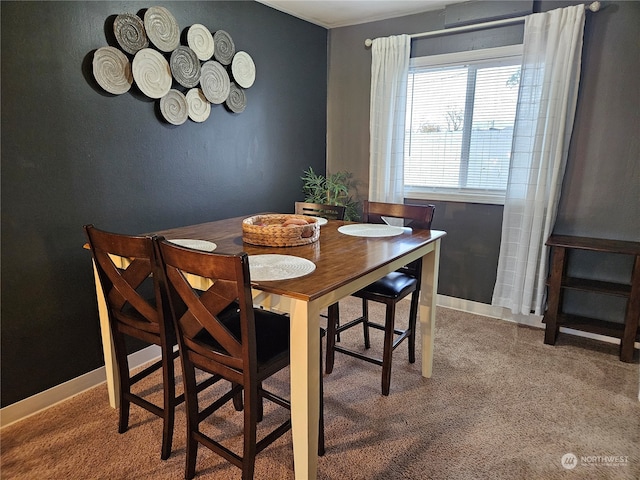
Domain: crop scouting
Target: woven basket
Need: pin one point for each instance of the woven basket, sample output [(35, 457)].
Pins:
[(267, 230)]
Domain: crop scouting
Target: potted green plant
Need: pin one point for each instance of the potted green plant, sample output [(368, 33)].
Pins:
[(331, 190)]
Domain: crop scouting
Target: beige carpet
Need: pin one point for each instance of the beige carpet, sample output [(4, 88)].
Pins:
[(500, 405)]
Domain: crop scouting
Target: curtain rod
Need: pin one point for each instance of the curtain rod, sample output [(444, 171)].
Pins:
[(594, 7)]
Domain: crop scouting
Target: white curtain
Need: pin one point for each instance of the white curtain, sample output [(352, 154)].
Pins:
[(544, 122), (389, 71)]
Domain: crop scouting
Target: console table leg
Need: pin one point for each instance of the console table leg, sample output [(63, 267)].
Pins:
[(632, 317), (555, 295)]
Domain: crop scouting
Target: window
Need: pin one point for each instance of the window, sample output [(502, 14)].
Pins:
[(460, 113)]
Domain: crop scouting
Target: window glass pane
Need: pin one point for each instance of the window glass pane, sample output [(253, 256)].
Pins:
[(494, 112), (459, 125), (434, 139)]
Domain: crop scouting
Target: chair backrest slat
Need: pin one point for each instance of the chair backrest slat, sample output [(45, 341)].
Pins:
[(121, 283), (330, 212), (415, 216), (197, 314)]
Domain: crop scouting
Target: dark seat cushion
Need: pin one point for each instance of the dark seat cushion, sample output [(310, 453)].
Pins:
[(272, 333), (392, 285)]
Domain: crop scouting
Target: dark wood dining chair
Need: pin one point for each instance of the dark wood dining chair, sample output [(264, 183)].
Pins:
[(389, 290), (330, 212), (135, 306), (220, 332)]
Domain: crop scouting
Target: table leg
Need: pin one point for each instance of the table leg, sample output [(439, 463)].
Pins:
[(428, 297), (110, 363), (305, 382)]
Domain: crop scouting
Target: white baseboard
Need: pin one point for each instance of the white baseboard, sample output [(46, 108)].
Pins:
[(34, 404), (505, 314), (43, 400)]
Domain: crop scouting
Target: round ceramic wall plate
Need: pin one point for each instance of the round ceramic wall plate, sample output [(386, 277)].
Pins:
[(223, 47), (174, 108), (130, 33), (236, 100), (270, 267), (214, 81), (200, 40), (112, 70), (185, 66), (162, 28), (243, 69), (152, 73), (199, 106)]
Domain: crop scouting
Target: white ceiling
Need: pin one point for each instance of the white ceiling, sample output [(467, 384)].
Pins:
[(341, 13)]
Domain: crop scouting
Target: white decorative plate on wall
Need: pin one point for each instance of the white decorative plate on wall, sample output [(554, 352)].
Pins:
[(152, 73), (198, 105), (200, 40), (112, 70), (162, 28), (243, 69)]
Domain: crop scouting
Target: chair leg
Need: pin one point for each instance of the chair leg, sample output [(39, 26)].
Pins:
[(260, 406), (191, 406), (253, 403), (365, 323), (125, 385), (388, 347), (237, 400), (168, 410), (413, 315), (333, 319)]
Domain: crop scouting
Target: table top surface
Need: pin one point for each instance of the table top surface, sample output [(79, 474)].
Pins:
[(339, 258)]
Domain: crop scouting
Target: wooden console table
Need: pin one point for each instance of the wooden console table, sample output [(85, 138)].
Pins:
[(554, 318)]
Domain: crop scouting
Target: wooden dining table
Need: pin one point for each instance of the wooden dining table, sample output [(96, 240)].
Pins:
[(344, 264)]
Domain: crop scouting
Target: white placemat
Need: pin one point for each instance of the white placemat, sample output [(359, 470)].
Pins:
[(370, 230), (278, 267), (195, 244)]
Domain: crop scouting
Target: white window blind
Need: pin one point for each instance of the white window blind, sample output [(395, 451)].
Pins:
[(459, 127)]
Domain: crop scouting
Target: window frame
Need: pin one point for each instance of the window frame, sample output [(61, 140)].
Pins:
[(466, 195)]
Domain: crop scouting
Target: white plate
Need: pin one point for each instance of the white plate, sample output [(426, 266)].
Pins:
[(319, 220), (278, 267), (370, 230), (203, 245)]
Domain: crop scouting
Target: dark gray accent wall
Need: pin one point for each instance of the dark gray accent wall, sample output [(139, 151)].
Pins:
[(601, 190), (73, 154)]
